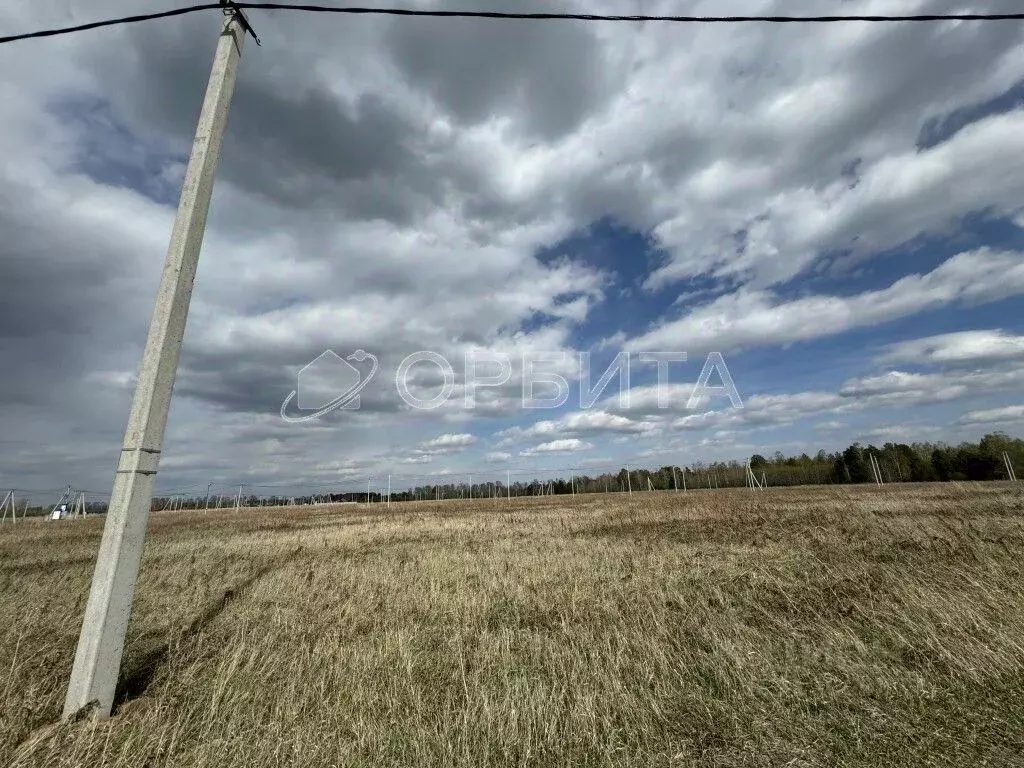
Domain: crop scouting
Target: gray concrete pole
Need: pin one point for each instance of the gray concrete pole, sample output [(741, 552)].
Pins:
[(101, 643)]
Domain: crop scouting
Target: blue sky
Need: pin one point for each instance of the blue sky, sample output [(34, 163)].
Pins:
[(838, 211)]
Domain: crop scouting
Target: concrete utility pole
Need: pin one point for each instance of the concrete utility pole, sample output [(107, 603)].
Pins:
[(101, 642), (9, 504)]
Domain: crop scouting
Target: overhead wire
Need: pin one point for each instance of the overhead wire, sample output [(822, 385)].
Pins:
[(510, 16)]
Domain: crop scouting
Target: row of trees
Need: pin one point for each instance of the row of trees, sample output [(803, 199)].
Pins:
[(898, 462)]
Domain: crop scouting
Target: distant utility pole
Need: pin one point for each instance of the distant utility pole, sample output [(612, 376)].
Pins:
[(629, 480), (101, 642), (208, 489), (875, 469), (9, 504), (508, 485), (1009, 467)]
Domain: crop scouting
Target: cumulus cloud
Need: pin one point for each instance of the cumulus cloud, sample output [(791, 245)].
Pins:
[(751, 318), (450, 441), (580, 423), (996, 416), (962, 348), (572, 445), (903, 434)]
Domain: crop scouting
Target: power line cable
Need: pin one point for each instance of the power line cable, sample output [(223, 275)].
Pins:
[(551, 16), (510, 15), (108, 23)]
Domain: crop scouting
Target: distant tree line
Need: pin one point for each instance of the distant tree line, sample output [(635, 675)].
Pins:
[(919, 462), (899, 462)]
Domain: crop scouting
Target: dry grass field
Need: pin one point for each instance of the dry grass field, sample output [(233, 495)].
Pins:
[(806, 627)]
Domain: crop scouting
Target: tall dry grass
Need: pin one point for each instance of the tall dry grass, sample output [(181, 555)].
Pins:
[(809, 627)]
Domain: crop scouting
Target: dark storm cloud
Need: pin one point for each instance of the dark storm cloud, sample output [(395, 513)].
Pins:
[(69, 298), (290, 139), (257, 384), (548, 77)]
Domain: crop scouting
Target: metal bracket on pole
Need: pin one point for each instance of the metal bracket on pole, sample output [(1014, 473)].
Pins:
[(229, 8)]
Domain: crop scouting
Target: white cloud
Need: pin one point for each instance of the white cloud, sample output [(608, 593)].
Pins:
[(895, 199), (893, 389), (558, 446), (450, 441), (903, 434), (424, 459), (766, 411), (964, 347), (829, 426), (752, 318), (442, 445), (579, 423), (1007, 415)]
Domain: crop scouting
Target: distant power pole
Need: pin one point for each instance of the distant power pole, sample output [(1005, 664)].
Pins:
[(101, 642), (9, 504), (875, 469)]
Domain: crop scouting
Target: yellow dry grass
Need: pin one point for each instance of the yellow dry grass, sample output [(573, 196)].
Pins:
[(804, 627)]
